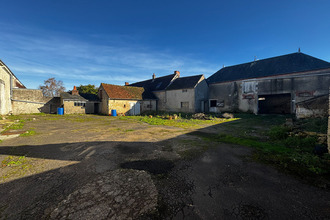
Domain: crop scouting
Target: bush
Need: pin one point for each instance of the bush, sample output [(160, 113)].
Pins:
[(278, 133), (299, 142)]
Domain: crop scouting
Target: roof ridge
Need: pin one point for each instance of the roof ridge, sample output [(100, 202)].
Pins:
[(200, 75), (269, 58), (122, 86), (153, 79)]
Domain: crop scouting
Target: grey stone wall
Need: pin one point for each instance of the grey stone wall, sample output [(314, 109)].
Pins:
[(26, 101)]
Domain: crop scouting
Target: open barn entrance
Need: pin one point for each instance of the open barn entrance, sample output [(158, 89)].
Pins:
[(274, 104)]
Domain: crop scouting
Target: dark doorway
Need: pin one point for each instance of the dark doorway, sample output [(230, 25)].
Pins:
[(96, 108), (274, 104)]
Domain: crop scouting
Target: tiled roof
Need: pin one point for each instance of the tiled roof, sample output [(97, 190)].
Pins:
[(126, 92), (286, 64), (68, 96), (159, 83), (185, 82)]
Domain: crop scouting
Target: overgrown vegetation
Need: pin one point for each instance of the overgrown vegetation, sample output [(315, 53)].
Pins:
[(13, 161), (17, 124), (281, 147), (19, 166), (182, 120)]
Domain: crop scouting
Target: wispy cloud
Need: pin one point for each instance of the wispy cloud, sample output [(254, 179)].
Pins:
[(32, 53)]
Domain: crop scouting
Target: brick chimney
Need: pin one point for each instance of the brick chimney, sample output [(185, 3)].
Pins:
[(126, 83), (177, 72), (75, 91), (153, 76)]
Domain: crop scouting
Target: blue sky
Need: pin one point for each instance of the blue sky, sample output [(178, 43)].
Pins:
[(89, 42)]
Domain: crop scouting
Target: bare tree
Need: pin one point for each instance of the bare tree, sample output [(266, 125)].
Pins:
[(52, 87)]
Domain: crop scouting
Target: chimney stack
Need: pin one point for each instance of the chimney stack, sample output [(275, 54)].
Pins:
[(177, 72), (75, 91), (126, 83), (153, 76)]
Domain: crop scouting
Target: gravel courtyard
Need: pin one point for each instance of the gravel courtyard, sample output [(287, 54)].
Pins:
[(99, 167)]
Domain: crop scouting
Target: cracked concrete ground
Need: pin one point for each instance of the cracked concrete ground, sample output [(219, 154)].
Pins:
[(96, 167)]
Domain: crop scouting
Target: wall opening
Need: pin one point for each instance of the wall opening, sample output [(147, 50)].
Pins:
[(274, 104)]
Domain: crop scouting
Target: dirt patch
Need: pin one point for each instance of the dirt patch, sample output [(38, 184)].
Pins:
[(152, 166), (114, 195)]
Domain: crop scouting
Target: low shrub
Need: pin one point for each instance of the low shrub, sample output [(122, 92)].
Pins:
[(278, 133)]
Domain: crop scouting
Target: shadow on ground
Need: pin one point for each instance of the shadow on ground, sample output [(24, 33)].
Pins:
[(148, 180)]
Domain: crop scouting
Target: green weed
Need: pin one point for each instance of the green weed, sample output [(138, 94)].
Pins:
[(278, 132), (29, 132), (13, 161), (180, 122)]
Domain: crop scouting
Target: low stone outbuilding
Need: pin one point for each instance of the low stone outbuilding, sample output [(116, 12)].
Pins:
[(73, 103), (126, 100)]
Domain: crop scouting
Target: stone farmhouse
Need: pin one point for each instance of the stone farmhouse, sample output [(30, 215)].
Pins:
[(290, 84), (178, 94)]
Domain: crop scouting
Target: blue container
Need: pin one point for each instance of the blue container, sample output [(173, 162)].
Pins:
[(60, 111), (113, 112)]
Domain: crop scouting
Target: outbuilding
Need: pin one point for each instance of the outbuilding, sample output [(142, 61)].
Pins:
[(126, 100), (290, 84)]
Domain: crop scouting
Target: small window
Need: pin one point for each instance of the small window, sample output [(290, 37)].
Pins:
[(185, 105), (184, 90), (213, 103)]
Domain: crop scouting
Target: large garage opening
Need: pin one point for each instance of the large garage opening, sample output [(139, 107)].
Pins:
[(274, 104)]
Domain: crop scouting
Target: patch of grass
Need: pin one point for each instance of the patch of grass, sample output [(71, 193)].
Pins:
[(278, 132), (13, 160), (296, 159), (29, 132), (180, 122), (319, 125), (19, 166), (128, 130), (300, 142), (18, 124)]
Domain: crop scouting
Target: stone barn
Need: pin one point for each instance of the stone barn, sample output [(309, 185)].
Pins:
[(290, 84), (126, 100)]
